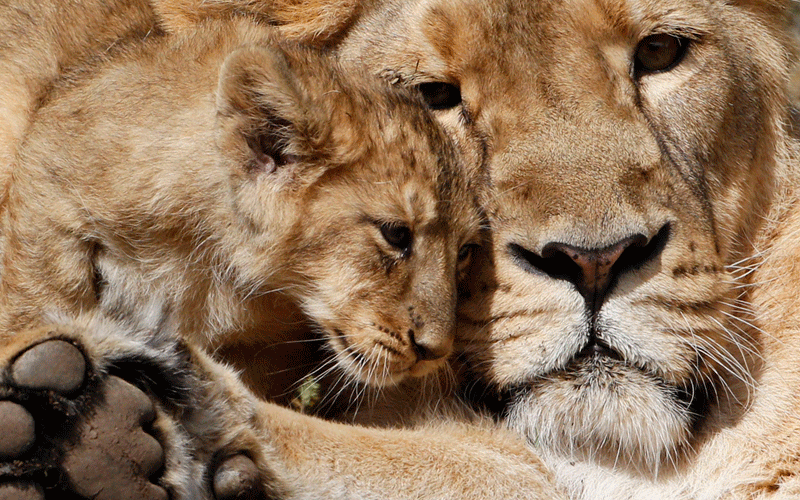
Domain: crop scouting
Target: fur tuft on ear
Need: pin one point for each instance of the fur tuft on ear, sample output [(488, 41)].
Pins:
[(260, 108), (314, 22)]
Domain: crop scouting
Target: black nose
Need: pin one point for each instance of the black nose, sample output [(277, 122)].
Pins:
[(593, 271)]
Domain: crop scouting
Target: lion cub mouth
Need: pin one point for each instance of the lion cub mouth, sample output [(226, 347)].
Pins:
[(378, 359)]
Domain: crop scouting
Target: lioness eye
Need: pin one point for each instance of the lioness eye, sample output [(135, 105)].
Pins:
[(440, 95), (397, 235), (659, 52)]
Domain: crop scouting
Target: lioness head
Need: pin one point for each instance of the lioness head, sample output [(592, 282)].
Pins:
[(630, 147)]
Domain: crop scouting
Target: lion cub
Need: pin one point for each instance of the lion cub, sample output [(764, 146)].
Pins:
[(241, 191)]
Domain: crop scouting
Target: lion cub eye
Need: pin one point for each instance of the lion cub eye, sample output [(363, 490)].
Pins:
[(397, 235), (440, 95), (659, 52), (465, 254)]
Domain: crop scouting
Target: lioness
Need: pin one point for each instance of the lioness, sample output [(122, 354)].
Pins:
[(634, 318)]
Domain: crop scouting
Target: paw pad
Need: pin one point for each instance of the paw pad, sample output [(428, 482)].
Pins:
[(55, 365), (114, 458), (65, 422), (17, 430)]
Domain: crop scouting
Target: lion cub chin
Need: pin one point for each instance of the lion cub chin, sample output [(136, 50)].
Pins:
[(213, 182)]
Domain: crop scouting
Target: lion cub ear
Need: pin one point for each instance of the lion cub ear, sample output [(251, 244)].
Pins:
[(260, 110)]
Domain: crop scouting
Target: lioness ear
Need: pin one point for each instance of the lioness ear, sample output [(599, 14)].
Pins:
[(314, 22), (259, 109)]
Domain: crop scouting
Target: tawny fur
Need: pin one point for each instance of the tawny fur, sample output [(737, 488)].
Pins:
[(583, 150), (62, 35), (250, 178), (210, 176)]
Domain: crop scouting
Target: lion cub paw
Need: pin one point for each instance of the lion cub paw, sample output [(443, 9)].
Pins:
[(67, 432)]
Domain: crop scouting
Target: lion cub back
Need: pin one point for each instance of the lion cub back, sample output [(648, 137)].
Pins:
[(224, 181)]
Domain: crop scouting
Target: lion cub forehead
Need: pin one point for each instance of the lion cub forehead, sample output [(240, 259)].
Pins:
[(384, 136), (419, 184)]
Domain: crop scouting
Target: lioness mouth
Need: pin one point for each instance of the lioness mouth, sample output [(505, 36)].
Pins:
[(596, 368), (598, 349)]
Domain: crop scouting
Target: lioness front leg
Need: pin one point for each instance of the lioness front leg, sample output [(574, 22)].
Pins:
[(72, 425), (321, 459), (300, 457)]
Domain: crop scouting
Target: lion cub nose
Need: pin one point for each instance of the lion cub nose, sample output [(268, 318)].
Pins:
[(431, 346), (593, 270)]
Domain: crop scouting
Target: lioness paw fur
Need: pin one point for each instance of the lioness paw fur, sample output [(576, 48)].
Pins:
[(72, 426), (69, 429)]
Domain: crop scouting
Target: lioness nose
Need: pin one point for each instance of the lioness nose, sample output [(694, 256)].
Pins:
[(593, 270)]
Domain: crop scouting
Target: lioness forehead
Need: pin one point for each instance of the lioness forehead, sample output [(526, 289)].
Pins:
[(458, 32), (556, 68), (532, 43)]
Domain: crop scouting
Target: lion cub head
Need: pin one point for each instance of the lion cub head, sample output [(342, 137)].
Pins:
[(366, 199), (210, 173)]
